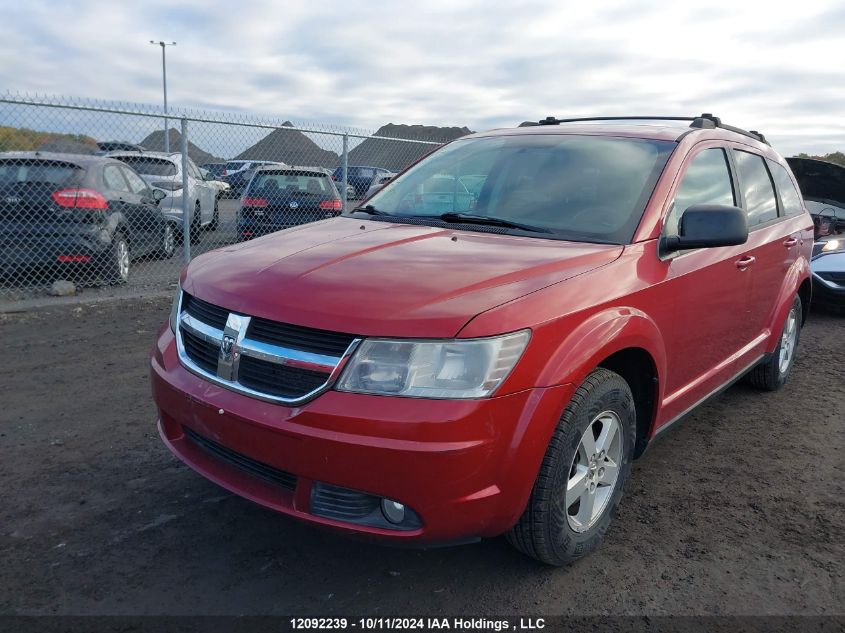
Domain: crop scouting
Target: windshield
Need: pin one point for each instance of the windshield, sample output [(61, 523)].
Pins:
[(149, 166), (581, 188)]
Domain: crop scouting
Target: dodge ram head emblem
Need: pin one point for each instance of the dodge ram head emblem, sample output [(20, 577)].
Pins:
[(229, 355), (227, 346)]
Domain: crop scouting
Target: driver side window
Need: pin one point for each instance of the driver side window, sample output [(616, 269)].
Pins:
[(707, 180)]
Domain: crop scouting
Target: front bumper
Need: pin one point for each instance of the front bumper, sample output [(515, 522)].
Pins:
[(466, 467)]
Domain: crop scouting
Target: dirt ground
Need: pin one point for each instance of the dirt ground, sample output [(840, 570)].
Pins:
[(737, 511)]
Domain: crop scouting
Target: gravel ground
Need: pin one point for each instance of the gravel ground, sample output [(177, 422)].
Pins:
[(737, 511)]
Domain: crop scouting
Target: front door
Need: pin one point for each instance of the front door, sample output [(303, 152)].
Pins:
[(710, 290)]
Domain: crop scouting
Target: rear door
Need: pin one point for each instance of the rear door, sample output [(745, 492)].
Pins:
[(709, 287), (206, 193), (772, 243), (122, 198), (148, 212)]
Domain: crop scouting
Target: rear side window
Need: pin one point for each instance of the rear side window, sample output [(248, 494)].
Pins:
[(268, 183), (33, 170), (113, 178), (135, 183), (707, 180), (149, 165), (757, 188), (790, 199)]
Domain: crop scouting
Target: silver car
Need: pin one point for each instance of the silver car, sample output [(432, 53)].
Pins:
[(164, 171)]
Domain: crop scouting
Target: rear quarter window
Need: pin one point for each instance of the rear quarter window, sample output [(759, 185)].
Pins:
[(790, 199)]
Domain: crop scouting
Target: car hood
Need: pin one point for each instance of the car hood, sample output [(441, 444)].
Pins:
[(819, 180), (377, 278)]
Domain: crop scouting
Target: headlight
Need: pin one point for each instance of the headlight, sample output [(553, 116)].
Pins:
[(833, 245), (174, 309), (454, 368)]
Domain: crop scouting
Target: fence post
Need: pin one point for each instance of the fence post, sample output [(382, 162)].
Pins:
[(344, 162), (186, 210)]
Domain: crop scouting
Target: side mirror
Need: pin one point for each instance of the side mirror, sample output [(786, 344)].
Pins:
[(708, 226), (159, 195)]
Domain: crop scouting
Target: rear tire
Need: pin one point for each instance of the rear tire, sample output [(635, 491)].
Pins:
[(117, 268), (773, 372), (582, 474)]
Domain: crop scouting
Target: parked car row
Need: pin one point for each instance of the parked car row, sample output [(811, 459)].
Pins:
[(361, 177)]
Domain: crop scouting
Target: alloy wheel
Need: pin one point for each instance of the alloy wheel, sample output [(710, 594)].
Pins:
[(594, 471), (169, 243), (122, 257), (788, 341)]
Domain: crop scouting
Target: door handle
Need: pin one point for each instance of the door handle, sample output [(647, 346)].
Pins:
[(744, 262), (790, 242)]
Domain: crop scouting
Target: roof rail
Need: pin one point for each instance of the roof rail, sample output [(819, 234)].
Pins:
[(705, 121)]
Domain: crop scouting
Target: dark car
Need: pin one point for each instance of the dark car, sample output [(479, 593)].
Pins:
[(360, 177), (215, 169), (86, 212), (823, 188), (278, 198), (237, 182)]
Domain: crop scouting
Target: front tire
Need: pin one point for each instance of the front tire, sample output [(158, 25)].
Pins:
[(196, 224), (215, 218), (582, 474), (773, 372), (168, 241)]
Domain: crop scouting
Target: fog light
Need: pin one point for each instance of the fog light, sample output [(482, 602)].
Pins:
[(393, 510)]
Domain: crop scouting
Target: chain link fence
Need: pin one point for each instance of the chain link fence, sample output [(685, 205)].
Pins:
[(97, 196)]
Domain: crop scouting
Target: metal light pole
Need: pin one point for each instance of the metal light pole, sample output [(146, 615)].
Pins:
[(164, 84)]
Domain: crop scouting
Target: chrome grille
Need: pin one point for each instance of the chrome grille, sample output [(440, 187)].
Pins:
[(271, 361)]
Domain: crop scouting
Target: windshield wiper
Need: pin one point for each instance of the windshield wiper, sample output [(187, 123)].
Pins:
[(470, 218), (370, 209)]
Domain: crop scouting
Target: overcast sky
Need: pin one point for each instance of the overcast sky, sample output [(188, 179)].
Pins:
[(779, 69)]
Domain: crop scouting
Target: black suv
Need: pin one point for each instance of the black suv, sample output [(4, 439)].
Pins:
[(280, 197), (89, 213)]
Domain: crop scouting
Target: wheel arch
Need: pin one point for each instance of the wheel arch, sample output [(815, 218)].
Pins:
[(625, 340), (797, 280), (637, 367)]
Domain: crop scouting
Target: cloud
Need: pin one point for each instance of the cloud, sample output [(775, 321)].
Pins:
[(445, 62)]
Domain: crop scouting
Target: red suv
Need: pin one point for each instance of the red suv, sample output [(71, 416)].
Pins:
[(485, 346)]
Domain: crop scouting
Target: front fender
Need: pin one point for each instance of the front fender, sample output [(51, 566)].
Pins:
[(598, 337)]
